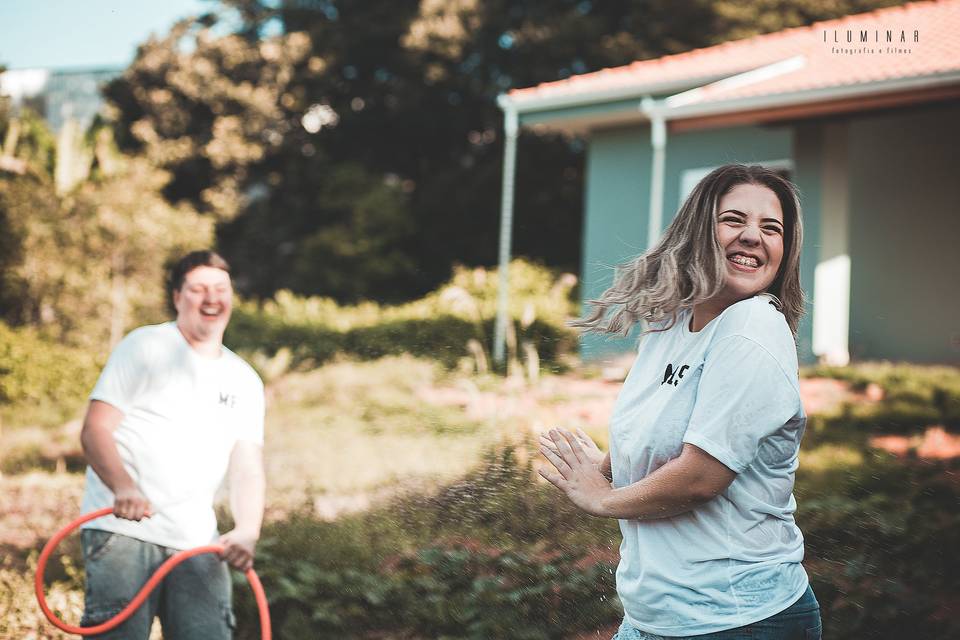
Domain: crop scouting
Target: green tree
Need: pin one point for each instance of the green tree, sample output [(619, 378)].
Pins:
[(86, 266), (287, 135)]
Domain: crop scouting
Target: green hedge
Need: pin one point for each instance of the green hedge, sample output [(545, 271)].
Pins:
[(437, 326), (443, 338), (40, 380)]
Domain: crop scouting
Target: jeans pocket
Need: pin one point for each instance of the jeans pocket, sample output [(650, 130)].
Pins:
[(815, 633), (229, 616), (98, 614), (95, 543)]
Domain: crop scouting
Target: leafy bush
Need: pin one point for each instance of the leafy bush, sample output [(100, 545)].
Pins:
[(448, 592), (879, 542), (41, 380), (497, 555), (450, 565), (437, 326)]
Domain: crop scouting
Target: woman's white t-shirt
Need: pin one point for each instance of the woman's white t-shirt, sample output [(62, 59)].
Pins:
[(732, 390)]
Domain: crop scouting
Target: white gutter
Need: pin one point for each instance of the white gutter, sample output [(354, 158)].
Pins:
[(511, 128), (810, 96), (654, 110), (627, 92)]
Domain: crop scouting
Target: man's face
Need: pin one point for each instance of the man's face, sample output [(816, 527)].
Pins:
[(204, 303)]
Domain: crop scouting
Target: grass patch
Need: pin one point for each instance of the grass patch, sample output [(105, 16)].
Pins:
[(912, 396), (830, 457), (354, 427)]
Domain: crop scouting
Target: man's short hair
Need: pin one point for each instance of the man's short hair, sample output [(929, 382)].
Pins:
[(178, 270)]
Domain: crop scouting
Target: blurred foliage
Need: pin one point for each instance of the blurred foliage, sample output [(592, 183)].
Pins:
[(910, 399), (85, 265), (352, 149), (77, 268), (41, 380), (879, 540), (438, 326), (19, 614), (745, 19), (29, 139)]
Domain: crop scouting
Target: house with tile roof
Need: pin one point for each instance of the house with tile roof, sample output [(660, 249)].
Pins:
[(862, 113)]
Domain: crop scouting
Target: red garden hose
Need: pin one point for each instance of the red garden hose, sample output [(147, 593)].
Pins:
[(154, 580)]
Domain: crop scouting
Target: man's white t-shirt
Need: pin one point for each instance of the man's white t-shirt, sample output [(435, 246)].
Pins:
[(731, 389), (182, 415)]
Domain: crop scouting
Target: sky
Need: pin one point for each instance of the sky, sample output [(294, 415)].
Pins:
[(76, 34)]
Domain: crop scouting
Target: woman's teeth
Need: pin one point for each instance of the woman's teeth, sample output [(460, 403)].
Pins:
[(745, 261)]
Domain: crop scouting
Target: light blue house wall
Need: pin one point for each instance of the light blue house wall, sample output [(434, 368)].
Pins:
[(617, 193)]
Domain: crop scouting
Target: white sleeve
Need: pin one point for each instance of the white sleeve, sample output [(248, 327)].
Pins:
[(743, 396), (124, 373)]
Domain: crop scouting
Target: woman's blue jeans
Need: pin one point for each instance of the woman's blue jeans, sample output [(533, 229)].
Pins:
[(799, 621)]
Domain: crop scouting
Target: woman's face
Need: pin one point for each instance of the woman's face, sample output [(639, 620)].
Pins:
[(750, 231)]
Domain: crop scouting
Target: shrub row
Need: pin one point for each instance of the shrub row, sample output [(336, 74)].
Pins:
[(443, 338), (437, 326)]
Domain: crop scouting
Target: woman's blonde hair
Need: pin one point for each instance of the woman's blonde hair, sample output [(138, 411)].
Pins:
[(687, 265)]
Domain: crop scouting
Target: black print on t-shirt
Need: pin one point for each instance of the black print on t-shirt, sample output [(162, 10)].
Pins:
[(228, 400), (673, 376)]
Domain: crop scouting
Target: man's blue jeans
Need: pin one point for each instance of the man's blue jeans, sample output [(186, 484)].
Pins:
[(193, 601), (799, 621)]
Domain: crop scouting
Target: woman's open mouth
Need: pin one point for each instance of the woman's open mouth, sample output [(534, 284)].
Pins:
[(745, 263)]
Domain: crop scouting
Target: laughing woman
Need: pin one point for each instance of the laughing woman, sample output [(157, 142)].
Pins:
[(705, 432)]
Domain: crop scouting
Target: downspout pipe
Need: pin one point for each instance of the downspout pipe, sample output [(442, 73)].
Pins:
[(656, 112), (511, 127)]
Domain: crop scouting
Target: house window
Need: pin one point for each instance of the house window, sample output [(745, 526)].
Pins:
[(690, 177)]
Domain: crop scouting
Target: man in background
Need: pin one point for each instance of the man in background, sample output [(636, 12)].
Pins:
[(173, 411)]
